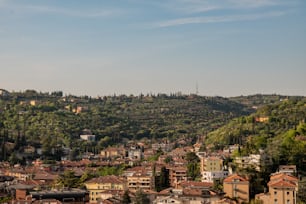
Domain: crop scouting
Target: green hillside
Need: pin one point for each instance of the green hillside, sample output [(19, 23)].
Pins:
[(279, 128), (50, 121)]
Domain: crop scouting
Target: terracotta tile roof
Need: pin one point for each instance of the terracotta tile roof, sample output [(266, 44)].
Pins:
[(283, 176), (235, 177), (45, 176), (282, 180), (192, 192), (107, 179), (195, 184), (281, 184)]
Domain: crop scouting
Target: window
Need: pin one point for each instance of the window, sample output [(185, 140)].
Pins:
[(288, 201), (275, 192), (275, 201), (288, 192)]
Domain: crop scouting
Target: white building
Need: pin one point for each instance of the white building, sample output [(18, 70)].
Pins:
[(91, 138), (211, 176)]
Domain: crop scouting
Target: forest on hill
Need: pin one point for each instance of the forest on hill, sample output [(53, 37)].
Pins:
[(53, 121), (277, 128)]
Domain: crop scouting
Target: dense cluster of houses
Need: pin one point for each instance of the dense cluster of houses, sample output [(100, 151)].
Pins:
[(36, 182)]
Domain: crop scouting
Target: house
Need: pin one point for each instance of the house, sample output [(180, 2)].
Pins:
[(113, 152), (287, 169), (88, 137), (212, 169), (18, 173), (255, 161), (168, 199), (187, 196), (211, 164), (212, 176), (283, 189), (97, 185), (164, 146), (140, 180), (195, 185), (106, 194), (237, 187), (177, 175), (44, 178), (135, 153)]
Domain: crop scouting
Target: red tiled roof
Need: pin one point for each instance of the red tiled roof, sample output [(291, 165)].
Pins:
[(192, 192), (233, 177), (282, 184), (107, 179), (196, 184), (283, 176)]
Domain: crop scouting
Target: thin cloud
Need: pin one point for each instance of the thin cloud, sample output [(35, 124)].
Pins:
[(218, 19), (71, 12), (200, 6), (42, 9)]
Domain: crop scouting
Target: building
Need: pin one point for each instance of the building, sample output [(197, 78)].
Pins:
[(113, 152), (75, 196), (212, 176), (237, 187), (211, 164), (283, 189), (135, 153), (255, 161), (164, 146), (287, 169), (212, 169), (97, 185), (140, 180), (177, 175)]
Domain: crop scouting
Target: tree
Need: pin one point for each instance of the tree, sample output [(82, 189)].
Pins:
[(141, 198), (162, 181), (126, 198), (193, 170), (68, 179), (193, 167)]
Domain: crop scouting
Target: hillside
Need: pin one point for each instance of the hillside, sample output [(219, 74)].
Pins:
[(278, 128), (53, 121)]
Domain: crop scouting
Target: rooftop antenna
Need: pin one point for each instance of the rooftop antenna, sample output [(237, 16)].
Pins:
[(197, 88)]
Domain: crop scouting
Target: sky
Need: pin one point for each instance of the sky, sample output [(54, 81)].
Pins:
[(105, 47)]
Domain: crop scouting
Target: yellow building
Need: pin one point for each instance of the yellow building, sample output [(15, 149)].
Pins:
[(211, 164), (96, 185), (113, 152), (237, 187), (282, 190), (140, 181)]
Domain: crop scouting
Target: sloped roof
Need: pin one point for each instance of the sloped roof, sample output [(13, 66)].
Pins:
[(282, 184), (107, 179), (196, 184), (235, 177)]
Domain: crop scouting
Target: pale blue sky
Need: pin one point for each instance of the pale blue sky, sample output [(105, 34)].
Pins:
[(102, 47)]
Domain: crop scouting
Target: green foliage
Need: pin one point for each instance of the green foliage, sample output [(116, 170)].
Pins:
[(68, 180), (141, 198), (110, 170), (52, 125), (162, 181), (193, 170), (126, 198), (192, 157), (168, 159), (5, 199)]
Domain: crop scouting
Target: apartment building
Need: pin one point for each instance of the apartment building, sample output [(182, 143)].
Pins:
[(97, 185), (283, 189), (237, 187)]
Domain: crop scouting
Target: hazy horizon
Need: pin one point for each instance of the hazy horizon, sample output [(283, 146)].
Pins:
[(100, 48)]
